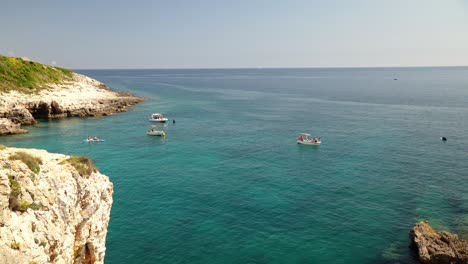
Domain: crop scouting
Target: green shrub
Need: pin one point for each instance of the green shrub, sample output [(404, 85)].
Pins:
[(82, 164), (32, 176), (23, 206), (15, 191), (30, 161), (15, 245), (42, 244), (35, 206), (2, 147), (14, 186)]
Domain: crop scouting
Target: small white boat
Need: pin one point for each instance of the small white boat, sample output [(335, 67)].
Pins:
[(307, 139), (157, 117), (94, 140), (153, 132)]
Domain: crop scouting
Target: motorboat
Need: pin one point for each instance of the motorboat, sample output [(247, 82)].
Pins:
[(307, 139), (157, 117), (154, 132)]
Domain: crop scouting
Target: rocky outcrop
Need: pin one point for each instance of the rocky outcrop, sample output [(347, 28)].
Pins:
[(17, 114), (49, 211), (79, 98), (7, 127), (438, 246)]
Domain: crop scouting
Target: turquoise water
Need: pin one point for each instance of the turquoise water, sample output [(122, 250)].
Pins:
[(229, 184)]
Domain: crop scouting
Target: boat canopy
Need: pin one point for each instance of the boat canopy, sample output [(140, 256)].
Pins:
[(305, 134)]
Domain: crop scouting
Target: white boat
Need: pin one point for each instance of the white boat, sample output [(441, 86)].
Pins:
[(157, 117), (94, 140), (153, 132), (307, 139)]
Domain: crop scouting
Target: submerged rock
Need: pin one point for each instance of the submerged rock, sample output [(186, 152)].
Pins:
[(438, 246)]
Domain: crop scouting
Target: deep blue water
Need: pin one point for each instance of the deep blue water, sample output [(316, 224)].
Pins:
[(229, 184)]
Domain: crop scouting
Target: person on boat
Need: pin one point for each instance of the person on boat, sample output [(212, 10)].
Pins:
[(299, 138), (152, 129), (89, 138), (173, 121), (95, 138)]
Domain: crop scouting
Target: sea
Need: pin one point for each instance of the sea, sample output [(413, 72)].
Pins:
[(229, 183)]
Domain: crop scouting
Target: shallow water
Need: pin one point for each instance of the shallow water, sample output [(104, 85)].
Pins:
[(229, 184)]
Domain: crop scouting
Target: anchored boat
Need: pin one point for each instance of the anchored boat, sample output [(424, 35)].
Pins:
[(154, 132), (307, 139), (94, 139), (157, 117)]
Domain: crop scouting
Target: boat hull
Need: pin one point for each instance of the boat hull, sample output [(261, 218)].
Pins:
[(309, 143), (92, 140), (162, 120), (156, 133)]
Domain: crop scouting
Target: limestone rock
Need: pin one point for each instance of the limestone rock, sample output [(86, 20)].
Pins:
[(20, 115), (56, 108), (60, 215), (438, 246), (78, 98), (8, 127)]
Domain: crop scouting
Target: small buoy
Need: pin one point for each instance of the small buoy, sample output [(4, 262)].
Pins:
[(443, 138)]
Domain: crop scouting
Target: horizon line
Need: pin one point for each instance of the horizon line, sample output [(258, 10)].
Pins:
[(273, 68)]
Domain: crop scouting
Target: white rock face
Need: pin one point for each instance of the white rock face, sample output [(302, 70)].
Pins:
[(79, 97), (8, 127), (80, 93), (67, 217)]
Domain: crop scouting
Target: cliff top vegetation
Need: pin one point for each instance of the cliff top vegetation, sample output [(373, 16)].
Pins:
[(28, 76)]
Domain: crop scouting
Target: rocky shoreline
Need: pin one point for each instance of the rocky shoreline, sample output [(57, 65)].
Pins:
[(82, 97), (438, 247)]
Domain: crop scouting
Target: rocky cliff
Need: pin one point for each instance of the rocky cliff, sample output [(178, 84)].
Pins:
[(438, 246), (79, 96), (53, 208)]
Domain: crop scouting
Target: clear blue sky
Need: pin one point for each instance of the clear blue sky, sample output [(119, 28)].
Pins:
[(236, 34)]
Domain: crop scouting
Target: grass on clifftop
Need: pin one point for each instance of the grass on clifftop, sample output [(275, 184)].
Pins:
[(28, 76), (82, 164), (30, 161)]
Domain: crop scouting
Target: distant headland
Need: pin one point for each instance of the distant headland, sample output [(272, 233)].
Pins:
[(31, 90)]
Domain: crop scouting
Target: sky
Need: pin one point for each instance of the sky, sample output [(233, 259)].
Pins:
[(152, 34)]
